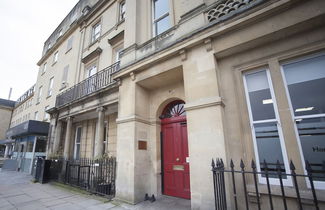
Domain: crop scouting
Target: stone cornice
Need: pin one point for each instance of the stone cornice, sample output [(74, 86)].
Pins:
[(136, 118), (203, 103), (93, 54)]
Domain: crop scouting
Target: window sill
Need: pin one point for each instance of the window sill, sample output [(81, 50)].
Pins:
[(37, 103), (290, 192), (43, 72), (63, 87), (49, 96), (94, 42), (54, 63), (68, 50), (119, 22)]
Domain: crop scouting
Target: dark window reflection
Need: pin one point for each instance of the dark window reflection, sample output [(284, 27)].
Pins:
[(306, 85), (269, 147), (312, 138), (40, 146), (260, 96)]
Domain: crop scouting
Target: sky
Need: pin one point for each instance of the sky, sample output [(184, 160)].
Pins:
[(25, 27)]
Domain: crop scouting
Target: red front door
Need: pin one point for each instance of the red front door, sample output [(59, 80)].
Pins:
[(176, 177)]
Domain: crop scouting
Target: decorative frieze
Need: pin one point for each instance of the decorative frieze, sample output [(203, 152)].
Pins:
[(226, 7)]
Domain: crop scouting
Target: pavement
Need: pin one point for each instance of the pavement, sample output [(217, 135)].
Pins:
[(18, 192)]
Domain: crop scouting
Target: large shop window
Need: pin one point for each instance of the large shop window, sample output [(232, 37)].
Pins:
[(305, 80), (76, 155), (268, 139)]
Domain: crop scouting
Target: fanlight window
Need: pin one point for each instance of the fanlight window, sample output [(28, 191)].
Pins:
[(174, 109)]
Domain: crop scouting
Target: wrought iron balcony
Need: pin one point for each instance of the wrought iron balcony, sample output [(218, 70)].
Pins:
[(96, 82)]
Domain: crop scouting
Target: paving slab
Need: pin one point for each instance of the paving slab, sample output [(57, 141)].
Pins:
[(18, 192)]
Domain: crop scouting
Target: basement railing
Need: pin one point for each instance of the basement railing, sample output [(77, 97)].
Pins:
[(249, 196), (96, 82)]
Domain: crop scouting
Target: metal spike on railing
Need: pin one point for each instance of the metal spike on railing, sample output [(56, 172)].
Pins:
[(311, 182), (253, 165), (268, 183), (294, 178), (308, 167), (232, 164), (213, 164), (278, 165), (242, 165), (292, 166), (221, 163), (265, 165)]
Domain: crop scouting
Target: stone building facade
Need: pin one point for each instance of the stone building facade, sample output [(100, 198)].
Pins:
[(165, 86), (6, 109)]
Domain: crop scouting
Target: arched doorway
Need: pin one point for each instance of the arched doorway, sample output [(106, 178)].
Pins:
[(175, 158)]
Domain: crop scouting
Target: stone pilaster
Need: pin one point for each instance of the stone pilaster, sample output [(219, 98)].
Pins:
[(56, 142), (99, 141), (7, 151), (66, 152)]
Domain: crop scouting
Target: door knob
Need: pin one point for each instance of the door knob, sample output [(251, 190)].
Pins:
[(177, 159)]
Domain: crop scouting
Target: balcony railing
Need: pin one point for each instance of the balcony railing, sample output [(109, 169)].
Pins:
[(92, 84)]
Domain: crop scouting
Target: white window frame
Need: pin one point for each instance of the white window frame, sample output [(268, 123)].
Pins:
[(155, 21), (75, 143), (317, 184), (55, 57), (64, 81), (39, 96), (69, 43), (60, 33), (89, 67), (94, 35), (122, 14), (50, 89), (274, 181), (46, 115), (44, 67), (117, 50)]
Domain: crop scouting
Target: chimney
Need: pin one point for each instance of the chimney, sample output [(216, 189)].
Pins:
[(9, 93)]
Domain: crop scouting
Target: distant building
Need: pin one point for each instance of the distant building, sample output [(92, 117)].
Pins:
[(27, 136), (6, 108)]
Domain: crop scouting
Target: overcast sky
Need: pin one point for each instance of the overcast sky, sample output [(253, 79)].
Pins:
[(25, 27)]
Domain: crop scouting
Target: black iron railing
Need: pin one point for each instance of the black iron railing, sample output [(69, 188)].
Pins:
[(315, 172), (92, 84), (96, 176)]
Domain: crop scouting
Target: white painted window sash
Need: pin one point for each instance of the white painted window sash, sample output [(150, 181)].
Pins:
[(273, 181), (317, 184)]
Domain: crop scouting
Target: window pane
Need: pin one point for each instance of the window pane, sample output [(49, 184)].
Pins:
[(268, 146), (92, 70), (69, 45), (312, 139), (65, 73), (162, 25), (78, 137), (260, 96), (77, 151), (306, 85), (161, 7)]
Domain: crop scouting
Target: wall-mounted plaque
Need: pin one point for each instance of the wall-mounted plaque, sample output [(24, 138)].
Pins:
[(142, 145)]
